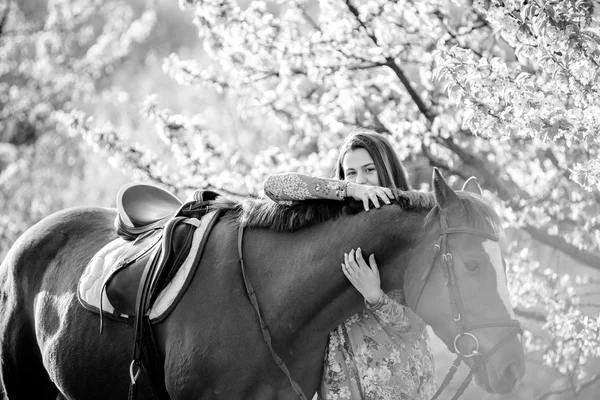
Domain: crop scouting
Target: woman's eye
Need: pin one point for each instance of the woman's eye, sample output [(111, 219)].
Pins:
[(350, 173), (472, 266), (369, 169)]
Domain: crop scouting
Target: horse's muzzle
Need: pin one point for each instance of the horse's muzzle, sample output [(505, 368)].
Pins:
[(503, 380)]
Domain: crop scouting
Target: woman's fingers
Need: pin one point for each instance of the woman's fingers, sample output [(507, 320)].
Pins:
[(373, 265), (386, 194), (389, 195), (347, 260), (375, 194), (365, 201), (363, 276), (360, 260), (352, 261), (374, 199), (346, 272), (355, 262)]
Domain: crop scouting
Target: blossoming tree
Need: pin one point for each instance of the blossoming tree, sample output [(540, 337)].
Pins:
[(54, 55), (506, 91)]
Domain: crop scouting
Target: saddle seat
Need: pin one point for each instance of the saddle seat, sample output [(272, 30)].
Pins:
[(143, 207)]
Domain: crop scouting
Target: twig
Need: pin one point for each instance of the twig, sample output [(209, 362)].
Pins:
[(534, 315), (586, 257), (578, 390), (589, 305), (5, 16)]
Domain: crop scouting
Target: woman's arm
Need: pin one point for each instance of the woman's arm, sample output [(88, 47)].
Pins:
[(365, 278), (293, 186), (390, 313)]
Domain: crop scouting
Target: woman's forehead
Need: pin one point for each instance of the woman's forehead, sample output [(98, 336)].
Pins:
[(356, 158)]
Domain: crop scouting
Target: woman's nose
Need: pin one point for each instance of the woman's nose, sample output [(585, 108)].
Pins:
[(361, 179)]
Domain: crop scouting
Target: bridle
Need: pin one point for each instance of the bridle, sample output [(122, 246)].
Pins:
[(460, 314)]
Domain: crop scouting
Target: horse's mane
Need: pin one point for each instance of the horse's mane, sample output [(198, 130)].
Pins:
[(266, 214)]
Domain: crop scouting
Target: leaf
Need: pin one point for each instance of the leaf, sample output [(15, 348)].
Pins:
[(525, 12)]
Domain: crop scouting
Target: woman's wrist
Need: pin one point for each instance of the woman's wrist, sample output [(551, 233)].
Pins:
[(347, 190), (374, 299)]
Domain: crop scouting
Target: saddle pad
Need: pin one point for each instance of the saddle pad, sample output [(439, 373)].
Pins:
[(90, 283)]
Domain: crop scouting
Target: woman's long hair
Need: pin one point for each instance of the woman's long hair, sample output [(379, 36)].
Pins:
[(390, 170)]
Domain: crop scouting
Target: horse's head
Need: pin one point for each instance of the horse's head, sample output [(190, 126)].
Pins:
[(457, 284)]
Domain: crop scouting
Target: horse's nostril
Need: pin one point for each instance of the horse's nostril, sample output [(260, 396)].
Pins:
[(511, 373)]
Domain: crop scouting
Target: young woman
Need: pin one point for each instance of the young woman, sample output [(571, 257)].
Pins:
[(382, 352)]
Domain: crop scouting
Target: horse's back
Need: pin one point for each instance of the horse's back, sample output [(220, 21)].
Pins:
[(32, 253)]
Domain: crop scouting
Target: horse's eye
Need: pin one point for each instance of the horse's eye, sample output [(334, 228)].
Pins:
[(472, 266)]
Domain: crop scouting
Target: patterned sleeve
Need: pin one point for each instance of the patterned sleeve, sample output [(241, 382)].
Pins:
[(390, 314), (403, 325), (292, 186)]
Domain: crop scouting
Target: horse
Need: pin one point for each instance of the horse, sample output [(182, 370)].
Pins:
[(211, 345)]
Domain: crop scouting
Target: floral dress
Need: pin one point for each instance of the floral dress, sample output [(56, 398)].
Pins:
[(383, 352)]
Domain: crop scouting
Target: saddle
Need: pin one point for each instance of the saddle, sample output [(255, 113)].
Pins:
[(161, 229)]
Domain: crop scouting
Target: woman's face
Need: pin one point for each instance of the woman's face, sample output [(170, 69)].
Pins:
[(359, 167)]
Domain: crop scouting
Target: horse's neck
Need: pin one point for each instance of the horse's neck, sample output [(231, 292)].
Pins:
[(308, 292)]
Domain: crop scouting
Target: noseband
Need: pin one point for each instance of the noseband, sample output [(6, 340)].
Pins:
[(460, 314)]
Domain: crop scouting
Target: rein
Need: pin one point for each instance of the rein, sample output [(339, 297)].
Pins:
[(263, 325), (460, 315)]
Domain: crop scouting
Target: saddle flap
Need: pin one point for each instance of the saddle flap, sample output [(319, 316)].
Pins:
[(140, 248), (163, 251)]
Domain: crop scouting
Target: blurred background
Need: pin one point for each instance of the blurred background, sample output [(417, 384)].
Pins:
[(98, 93)]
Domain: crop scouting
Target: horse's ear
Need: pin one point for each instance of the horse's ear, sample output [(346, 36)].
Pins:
[(472, 186), (444, 194)]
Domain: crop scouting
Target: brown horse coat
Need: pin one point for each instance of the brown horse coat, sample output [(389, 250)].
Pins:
[(211, 344)]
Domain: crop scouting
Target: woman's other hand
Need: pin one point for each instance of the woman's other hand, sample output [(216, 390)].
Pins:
[(365, 193), (364, 277)]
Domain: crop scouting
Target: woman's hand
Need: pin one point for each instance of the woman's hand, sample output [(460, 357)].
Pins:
[(365, 278), (365, 193)]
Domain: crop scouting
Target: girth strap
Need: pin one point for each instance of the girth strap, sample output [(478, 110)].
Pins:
[(263, 325)]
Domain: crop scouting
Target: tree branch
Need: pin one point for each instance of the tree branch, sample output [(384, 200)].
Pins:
[(426, 111), (436, 162), (5, 16), (583, 386), (589, 305), (310, 20), (394, 67), (588, 258), (533, 315)]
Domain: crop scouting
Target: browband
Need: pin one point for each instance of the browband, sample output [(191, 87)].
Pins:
[(469, 231)]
